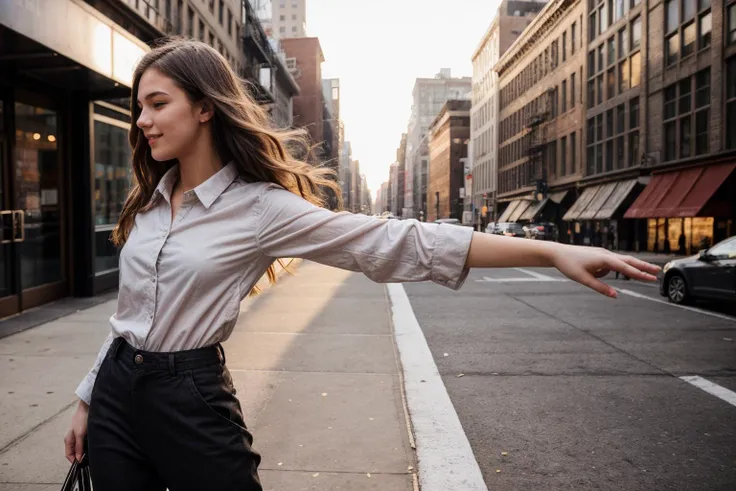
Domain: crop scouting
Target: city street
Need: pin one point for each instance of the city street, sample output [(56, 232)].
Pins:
[(581, 391)]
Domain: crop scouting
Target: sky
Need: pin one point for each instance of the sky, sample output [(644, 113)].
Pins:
[(377, 48)]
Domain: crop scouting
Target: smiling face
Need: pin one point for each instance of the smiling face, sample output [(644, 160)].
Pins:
[(169, 120)]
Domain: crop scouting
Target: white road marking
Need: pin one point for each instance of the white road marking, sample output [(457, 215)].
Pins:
[(536, 275), (685, 307), (487, 279), (711, 388), (446, 460)]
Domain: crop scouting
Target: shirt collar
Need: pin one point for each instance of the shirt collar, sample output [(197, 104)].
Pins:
[(207, 192), (212, 188)]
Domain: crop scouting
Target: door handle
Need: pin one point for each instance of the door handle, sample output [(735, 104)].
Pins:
[(19, 225)]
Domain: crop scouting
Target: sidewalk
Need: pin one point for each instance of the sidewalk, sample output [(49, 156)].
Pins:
[(314, 365)]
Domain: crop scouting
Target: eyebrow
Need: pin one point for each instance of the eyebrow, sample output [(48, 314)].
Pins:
[(153, 94)]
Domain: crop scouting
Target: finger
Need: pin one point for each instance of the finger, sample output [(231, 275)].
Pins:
[(618, 264), (595, 284), (641, 265), (79, 446), (69, 447)]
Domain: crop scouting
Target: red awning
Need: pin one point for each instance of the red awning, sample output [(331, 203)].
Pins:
[(680, 193)]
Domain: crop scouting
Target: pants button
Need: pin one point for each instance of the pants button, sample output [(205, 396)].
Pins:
[(138, 359)]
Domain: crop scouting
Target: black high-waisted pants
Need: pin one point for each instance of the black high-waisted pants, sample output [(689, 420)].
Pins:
[(168, 420)]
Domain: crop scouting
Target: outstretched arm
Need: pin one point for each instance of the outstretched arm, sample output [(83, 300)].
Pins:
[(582, 264)]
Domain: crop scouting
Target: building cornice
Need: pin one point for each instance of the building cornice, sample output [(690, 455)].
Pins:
[(535, 33), (485, 38)]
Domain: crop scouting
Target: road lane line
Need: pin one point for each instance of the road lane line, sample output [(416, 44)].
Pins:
[(685, 307), (711, 388), (446, 460), (536, 275), (487, 279)]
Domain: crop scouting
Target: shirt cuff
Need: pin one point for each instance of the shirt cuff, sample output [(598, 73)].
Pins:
[(451, 252), (84, 390)]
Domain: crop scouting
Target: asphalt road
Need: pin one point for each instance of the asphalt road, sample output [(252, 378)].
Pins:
[(583, 392)]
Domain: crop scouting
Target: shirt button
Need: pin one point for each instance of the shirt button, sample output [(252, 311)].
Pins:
[(138, 359)]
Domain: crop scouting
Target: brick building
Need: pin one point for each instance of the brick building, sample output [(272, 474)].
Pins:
[(512, 18), (305, 58), (449, 135), (541, 115), (652, 165)]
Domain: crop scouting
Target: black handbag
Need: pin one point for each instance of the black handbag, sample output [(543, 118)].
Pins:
[(78, 478)]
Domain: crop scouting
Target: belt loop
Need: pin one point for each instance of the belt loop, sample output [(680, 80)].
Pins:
[(222, 353), (116, 345), (172, 364)]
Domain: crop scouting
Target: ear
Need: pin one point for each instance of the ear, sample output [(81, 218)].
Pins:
[(206, 111)]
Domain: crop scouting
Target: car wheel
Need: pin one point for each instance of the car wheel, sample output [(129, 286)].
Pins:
[(677, 289)]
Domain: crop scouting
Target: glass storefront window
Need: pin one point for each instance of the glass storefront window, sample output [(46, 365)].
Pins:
[(664, 234), (113, 175)]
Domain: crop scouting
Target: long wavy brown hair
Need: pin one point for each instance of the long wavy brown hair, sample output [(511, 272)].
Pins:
[(242, 132)]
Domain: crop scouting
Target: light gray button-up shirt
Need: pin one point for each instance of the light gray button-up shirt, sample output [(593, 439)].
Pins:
[(182, 281)]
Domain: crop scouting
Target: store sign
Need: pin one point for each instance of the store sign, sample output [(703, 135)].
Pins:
[(77, 31)]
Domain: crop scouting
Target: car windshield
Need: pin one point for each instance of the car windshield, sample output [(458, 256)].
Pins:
[(724, 250)]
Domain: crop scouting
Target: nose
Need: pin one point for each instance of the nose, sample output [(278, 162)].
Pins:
[(144, 121)]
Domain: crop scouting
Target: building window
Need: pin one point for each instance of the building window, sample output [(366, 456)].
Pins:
[(731, 36), (293, 29), (573, 159), (282, 29), (221, 13), (212, 40), (229, 22), (636, 34), (635, 62), (201, 31), (564, 46), (212, 6), (688, 27), (623, 76), (563, 157), (591, 94), (687, 117), (190, 22), (113, 176), (611, 45), (293, 16), (731, 103), (611, 84), (282, 18), (572, 90), (572, 38), (563, 97), (623, 42)]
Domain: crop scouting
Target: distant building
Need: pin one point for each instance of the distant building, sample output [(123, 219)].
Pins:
[(289, 18), (512, 18), (429, 94), (448, 149)]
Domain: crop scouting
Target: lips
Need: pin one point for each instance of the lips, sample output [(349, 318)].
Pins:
[(152, 138)]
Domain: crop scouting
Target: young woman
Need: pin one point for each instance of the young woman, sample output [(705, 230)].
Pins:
[(217, 198)]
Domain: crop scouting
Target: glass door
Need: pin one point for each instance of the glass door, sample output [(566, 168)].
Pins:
[(9, 224), (38, 205)]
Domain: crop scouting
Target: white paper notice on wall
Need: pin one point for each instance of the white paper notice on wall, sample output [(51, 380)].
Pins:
[(49, 197)]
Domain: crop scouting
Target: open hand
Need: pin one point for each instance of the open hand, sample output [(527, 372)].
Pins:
[(587, 264)]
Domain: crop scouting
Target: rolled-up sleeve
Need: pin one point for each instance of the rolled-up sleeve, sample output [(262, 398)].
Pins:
[(386, 251), (84, 390)]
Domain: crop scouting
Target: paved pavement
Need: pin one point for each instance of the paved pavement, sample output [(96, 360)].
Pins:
[(314, 365), (521, 379), (580, 391)]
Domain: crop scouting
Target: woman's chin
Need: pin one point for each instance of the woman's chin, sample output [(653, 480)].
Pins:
[(160, 156)]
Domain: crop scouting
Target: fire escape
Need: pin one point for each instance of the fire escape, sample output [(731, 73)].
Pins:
[(537, 139), (260, 58)]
